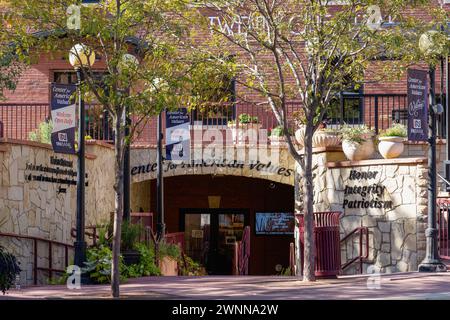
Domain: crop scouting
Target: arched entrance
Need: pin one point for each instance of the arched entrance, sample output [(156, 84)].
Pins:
[(213, 209)]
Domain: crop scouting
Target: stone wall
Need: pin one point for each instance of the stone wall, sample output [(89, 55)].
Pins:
[(271, 164), (38, 198), (387, 196)]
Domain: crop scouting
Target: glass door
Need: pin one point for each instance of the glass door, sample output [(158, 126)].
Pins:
[(210, 236)]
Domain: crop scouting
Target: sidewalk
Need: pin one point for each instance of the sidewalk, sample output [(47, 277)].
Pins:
[(391, 286)]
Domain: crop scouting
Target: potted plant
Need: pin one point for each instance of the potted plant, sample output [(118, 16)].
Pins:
[(9, 269), (326, 137), (391, 141), (299, 120), (277, 136), (357, 142), (245, 122), (129, 238)]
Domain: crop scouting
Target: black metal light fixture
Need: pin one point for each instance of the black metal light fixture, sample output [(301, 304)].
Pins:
[(80, 56), (431, 262), (161, 226)]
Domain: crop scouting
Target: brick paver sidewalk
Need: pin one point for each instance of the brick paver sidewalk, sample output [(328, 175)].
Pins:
[(393, 286)]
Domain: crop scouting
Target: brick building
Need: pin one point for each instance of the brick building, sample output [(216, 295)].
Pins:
[(211, 206)]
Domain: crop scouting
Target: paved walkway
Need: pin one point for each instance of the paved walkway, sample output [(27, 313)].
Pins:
[(393, 286)]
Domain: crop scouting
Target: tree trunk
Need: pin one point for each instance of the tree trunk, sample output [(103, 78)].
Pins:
[(298, 208), (308, 189), (118, 208)]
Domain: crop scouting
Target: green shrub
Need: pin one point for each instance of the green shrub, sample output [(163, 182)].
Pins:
[(189, 267), (9, 269), (43, 133), (397, 130), (245, 118), (146, 265), (169, 250), (130, 235), (98, 265)]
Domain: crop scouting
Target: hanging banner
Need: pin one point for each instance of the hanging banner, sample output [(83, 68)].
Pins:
[(417, 105), (63, 118), (178, 136)]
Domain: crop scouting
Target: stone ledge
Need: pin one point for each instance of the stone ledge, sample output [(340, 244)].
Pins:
[(323, 149), (438, 141), (101, 143), (374, 162), (4, 148)]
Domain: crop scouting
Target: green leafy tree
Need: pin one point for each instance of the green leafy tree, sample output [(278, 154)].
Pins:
[(168, 74), (308, 51)]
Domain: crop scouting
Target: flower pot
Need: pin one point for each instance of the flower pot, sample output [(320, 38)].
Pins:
[(391, 147), (240, 132), (277, 140), (323, 139), (300, 135), (355, 151), (131, 257), (168, 266)]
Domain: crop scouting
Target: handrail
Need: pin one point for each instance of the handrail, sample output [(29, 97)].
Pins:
[(443, 179), (361, 230), (50, 268)]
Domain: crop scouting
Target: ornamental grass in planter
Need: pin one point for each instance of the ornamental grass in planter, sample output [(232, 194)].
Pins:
[(392, 140), (277, 136), (357, 142), (326, 137)]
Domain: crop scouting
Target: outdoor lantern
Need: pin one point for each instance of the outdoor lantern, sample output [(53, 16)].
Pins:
[(428, 44), (81, 55), (128, 61)]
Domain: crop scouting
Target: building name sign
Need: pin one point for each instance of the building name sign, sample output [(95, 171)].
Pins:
[(369, 195), (60, 172), (258, 166)]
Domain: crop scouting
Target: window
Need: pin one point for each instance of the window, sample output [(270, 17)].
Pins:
[(70, 77)]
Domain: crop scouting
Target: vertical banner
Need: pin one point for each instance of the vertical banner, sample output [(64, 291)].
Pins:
[(63, 118), (417, 105), (178, 136)]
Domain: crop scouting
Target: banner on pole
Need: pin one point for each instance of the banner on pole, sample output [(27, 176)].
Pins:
[(63, 118), (417, 105), (178, 136)]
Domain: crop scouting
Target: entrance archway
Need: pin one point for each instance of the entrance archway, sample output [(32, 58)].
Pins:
[(220, 195)]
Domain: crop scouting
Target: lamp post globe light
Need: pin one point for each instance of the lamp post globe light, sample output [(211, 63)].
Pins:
[(128, 61), (80, 56), (431, 262)]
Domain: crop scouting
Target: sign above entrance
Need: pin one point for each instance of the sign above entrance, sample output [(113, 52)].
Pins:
[(63, 118), (178, 136), (417, 105)]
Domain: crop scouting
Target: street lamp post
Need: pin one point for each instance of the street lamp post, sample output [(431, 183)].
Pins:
[(80, 56), (161, 227), (431, 262)]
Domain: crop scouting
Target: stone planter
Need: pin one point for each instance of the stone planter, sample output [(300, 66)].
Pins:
[(300, 136), (359, 151), (277, 140), (323, 139), (391, 147), (168, 266), (240, 132), (131, 257)]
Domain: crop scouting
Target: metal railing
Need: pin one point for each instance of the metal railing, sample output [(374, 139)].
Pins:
[(378, 111), (361, 231), (50, 269), (443, 225)]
